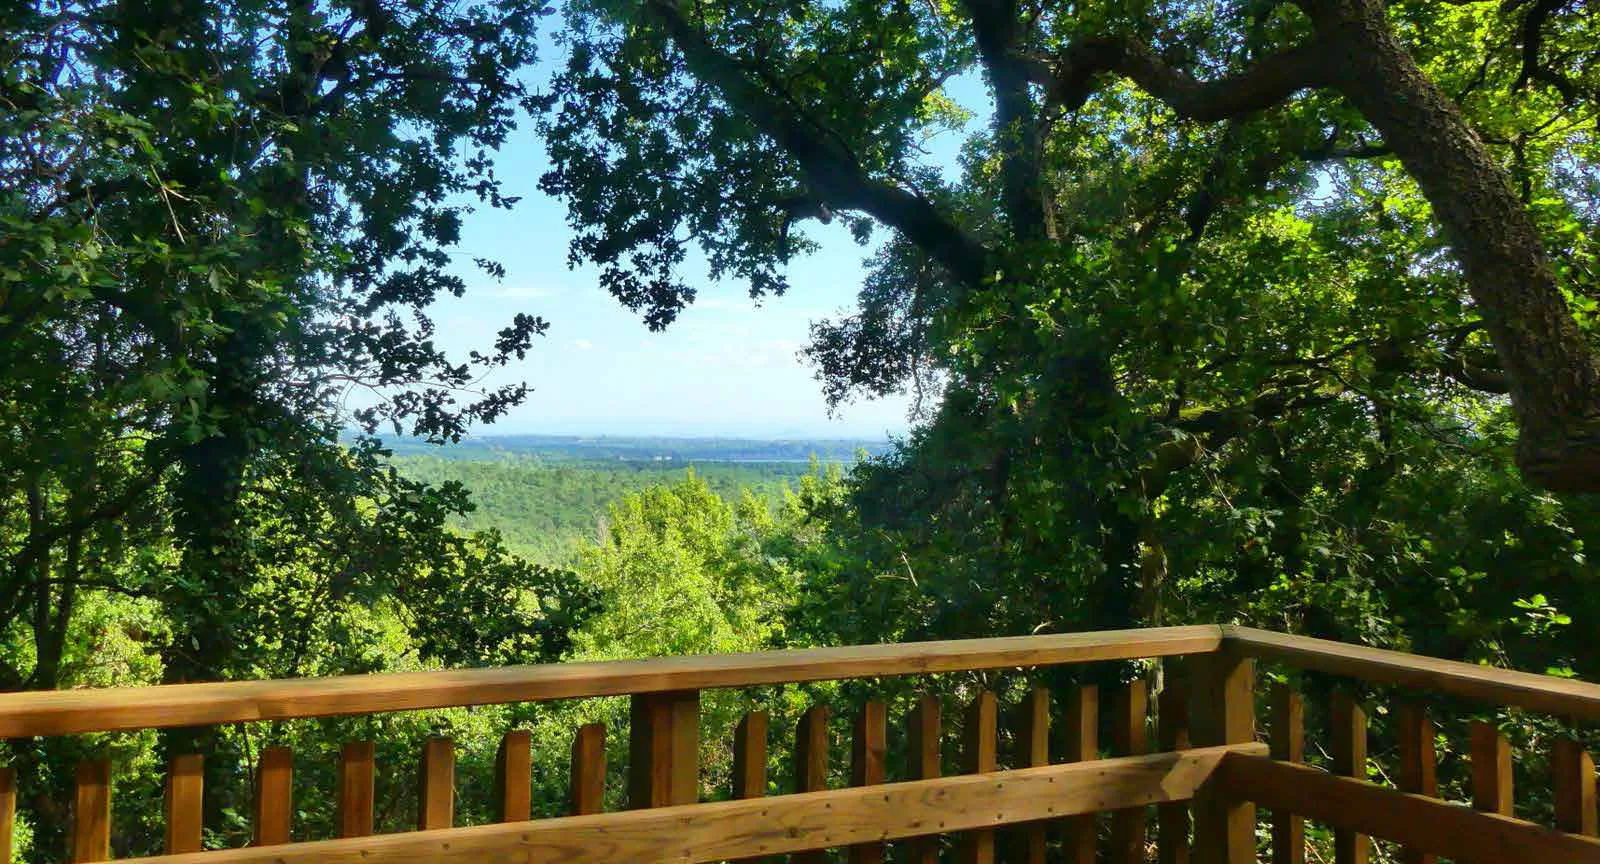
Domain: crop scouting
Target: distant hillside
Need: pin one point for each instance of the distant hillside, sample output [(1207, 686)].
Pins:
[(546, 494), (642, 449)]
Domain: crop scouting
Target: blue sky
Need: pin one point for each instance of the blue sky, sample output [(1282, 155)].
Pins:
[(726, 367)]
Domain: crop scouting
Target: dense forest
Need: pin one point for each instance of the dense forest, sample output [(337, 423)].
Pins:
[(1281, 312), (547, 504)]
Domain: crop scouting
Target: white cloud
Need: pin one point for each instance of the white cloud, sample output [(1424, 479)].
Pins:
[(582, 344)]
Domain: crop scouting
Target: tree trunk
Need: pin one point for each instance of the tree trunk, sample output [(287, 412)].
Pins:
[(1554, 376)]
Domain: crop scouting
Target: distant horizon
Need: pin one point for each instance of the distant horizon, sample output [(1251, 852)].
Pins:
[(834, 437)]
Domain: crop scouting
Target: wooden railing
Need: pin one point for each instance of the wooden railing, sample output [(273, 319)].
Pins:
[(1208, 765)]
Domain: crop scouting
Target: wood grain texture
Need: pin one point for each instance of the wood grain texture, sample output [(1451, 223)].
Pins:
[(513, 776), (1029, 842), (1080, 742), (1172, 734), (869, 747), (182, 804), (436, 785), (1491, 769), (8, 810), (1222, 711), (773, 826), (1129, 737), (357, 788), (979, 740), (1419, 772), (1445, 829), (750, 755), (1288, 745), (72, 711), (91, 812), (1349, 751), (1573, 787), (273, 816), (587, 787), (924, 727), (811, 767), (664, 749), (1542, 693)]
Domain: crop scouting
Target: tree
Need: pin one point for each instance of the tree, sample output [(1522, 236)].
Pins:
[(219, 221), (1275, 267), (726, 128)]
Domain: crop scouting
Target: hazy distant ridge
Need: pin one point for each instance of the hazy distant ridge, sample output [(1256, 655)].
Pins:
[(589, 448)]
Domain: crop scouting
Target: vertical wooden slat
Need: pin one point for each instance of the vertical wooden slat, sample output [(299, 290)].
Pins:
[(1080, 729), (811, 766), (513, 776), (923, 763), (274, 810), (1033, 751), (1349, 754), (587, 791), (1288, 745), (868, 746), (1222, 711), (8, 810), (1129, 738), (750, 755), (91, 812), (1172, 731), (1491, 769), (436, 785), (357, 770), (664, 749), (1573, 785), (1418, 766), (979, 740), (185, 790)]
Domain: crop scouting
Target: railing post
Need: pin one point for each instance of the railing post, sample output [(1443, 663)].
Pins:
[(1418, 766), (1033, 751), (1491, 769), (1572, 770), (436, 785), (750, 756), (1222, 699), (513, 776), (1350, 759), (1129, 738), (1288, 745), (586, 792), (1172, 734), (664, 749), (91, 812), (923, 763), (1081, 734), (356, 791), (811, 767), (978, 757), (8, 809), (274, 810), (183, 803), (868, 745)]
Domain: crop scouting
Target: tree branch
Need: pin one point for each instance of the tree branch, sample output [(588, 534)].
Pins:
[(1076, 75), (831, 169), (1016, 122)]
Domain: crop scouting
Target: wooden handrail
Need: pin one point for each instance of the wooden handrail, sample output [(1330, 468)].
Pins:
[(1416, 821), (108, 710), (724, 830), (1544, 693)]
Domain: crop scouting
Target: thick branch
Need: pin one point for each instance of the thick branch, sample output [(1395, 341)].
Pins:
[(1016, 122), (1078, 72), (829, 167)]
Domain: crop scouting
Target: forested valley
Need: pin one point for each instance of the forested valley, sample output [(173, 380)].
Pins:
[(1277, 313)]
